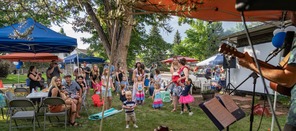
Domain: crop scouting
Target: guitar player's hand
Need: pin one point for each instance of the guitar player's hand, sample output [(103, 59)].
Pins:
[(247, 61)]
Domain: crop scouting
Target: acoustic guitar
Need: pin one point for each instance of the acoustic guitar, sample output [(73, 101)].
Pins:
[(229, 50)]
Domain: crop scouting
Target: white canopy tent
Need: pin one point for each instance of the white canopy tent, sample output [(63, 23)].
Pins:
[(206, 62)]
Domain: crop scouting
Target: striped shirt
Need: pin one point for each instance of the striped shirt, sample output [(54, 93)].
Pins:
[(129, 104)]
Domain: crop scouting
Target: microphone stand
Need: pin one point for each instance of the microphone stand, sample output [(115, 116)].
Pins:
[(254, 75)]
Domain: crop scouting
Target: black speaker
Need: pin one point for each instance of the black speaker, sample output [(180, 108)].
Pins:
[(229, 62)]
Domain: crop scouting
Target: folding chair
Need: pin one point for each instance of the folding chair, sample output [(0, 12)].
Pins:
[(9, 97), (21, 92), (14, 111), (54, 101)]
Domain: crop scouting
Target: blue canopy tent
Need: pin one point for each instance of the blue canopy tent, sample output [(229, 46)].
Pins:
[(82, 57), (40, 39), (218, 60)]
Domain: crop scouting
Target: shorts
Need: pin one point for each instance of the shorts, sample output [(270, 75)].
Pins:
[(130, 116), (176, 90), (109, 94)]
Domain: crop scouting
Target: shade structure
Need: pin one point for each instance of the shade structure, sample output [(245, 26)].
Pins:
[(41, 40), (206, 62), (30, 57), (218, 60), (188, 59), (81, 58), (209, 10)]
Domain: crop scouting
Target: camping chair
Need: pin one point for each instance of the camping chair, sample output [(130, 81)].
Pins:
[(54, 101), (20, 92), (15, 113)]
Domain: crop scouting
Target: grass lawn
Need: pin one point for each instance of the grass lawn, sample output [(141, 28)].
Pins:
[(13, 79), (148, 119)]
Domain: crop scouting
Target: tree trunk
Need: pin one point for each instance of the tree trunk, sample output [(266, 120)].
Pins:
[(117, 49), (122, 44)]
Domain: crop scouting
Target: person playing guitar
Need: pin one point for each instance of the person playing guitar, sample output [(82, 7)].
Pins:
[(286, 77)]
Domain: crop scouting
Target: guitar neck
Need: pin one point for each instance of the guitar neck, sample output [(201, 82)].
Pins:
[(226, 49), (262, 63)]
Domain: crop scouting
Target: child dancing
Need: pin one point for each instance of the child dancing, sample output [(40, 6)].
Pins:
[(156, 97), (140, 96), (185, 97)]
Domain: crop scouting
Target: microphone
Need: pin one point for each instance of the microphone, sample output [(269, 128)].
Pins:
[(288, 42)]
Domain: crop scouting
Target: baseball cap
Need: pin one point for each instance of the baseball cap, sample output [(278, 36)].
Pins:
[(67, 75)]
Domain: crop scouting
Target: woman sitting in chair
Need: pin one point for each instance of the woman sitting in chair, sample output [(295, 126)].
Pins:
[(56, 90)]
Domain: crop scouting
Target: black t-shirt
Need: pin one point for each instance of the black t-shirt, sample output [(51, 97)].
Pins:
[(94, 76), (120, 75), (50, 93), (81, 85), (87, 77)]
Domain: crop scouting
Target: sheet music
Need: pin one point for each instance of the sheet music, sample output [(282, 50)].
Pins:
[(220, 112), (229, 103)]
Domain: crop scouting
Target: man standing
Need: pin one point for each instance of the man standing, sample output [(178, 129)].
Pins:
[(87, 70), (53, 70), (284, 77), (74, 91)]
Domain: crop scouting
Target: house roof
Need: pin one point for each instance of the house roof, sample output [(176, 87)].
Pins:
[(259, 34)]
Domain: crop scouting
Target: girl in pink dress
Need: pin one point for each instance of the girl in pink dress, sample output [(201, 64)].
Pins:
[(185, 97)]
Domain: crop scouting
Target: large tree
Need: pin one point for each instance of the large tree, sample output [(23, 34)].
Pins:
[(155, 48)]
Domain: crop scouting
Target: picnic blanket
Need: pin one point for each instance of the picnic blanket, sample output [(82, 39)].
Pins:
[(107, 113)]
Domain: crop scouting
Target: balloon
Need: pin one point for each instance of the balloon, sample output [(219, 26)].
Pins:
[(277, 31), (18, 67), (20, 63), (290, 28), (278, 39), (15, 63)]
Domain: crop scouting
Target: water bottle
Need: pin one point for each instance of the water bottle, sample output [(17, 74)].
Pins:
[(33, 91)]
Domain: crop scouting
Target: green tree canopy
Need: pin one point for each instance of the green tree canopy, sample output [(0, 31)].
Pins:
[(177, 38), (201, 41), (155, 48)]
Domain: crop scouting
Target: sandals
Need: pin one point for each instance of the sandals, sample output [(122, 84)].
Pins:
[(75, 124), (173, 110)]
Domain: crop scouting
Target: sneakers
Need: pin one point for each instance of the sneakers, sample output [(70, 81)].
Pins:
[(190, 113), (135, 126), (181, 112)]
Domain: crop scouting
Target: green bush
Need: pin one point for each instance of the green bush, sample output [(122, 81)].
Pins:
[(4, 69)]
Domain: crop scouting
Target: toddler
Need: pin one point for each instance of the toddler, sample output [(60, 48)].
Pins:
[(129, 107), (185, 97), (156, 97)]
